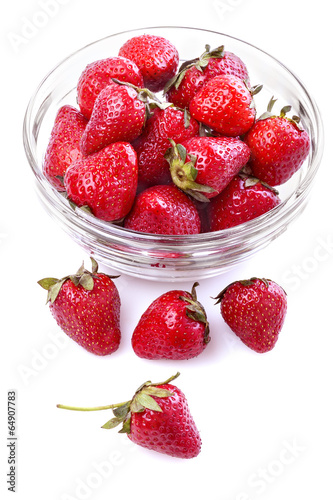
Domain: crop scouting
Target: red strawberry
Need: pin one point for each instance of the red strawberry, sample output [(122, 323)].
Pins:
[(64, 144), (157, 418), (86, 306), (194, 74), (278, 146), (151, 146), (174, 326), (118, 114), (156, 57), (105, 181), (99, 74), (245, 198), (225, 104), (204, 166), (255, 310), (163, 209)]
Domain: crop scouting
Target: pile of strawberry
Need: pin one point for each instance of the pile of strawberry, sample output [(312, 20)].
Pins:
[(195, 160)]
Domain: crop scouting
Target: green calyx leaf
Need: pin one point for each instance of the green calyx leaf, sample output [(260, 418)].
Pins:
[(286, 109), (246, 283), (199, 62), (82, 278), (250, 181), (196, 311), (111, 424), (184, 173), (150, 100), (253, 91), (47, 283), (53, 287), (142, 400), (148, 402)]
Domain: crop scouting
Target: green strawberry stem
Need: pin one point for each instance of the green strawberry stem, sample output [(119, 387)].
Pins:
[(141, 400), (196, 311), (269, 114), (184, 173), (96, 408), (82, 277), (199, 62)]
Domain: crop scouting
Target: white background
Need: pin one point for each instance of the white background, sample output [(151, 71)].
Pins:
[(265, 420)]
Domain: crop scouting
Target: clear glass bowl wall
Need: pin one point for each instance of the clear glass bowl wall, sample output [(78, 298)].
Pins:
[(172, 258)]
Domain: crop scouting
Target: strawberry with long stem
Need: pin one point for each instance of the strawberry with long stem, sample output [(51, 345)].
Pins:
[(157, 417)]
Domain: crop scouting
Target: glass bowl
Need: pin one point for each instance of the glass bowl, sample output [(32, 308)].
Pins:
[(173, 258)]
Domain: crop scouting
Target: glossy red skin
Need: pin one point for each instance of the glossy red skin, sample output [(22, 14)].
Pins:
[(238, 203), (278, 149), (195, 79), (98, 75), (163, 209), (153, 143), (164, 331), (156, 57), (219, 159), (256, 313), (90, 317), (172, 431), (106, 181), (118, 115), (64, 144), (224, 105)]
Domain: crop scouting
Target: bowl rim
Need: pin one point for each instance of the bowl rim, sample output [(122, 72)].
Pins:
[(109, 230)]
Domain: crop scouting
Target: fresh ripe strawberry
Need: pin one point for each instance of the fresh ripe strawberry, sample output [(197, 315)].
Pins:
[(225, 104), (174, 326), (99, 74), (157, 418), (204, 166), (278, 146), (86, 306), (64, 144), (244, 198), (163, 209), (156, 58), (151, 146), (105, 181), (255, 310), (118, 114), (192, 75)]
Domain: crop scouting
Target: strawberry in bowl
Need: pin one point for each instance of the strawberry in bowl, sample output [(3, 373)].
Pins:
[(133, 100)]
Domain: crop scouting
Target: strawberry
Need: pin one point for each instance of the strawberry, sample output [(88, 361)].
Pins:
[(194, 74), (174, 326), (204, 166), (255, 310), (163, 209), (64, 144), (244, 198), (99, 74), (278, 146), (151, 146), (157, 418), (156, 58), (86, 306), (105, 181), (119, 114), (225, 104)]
